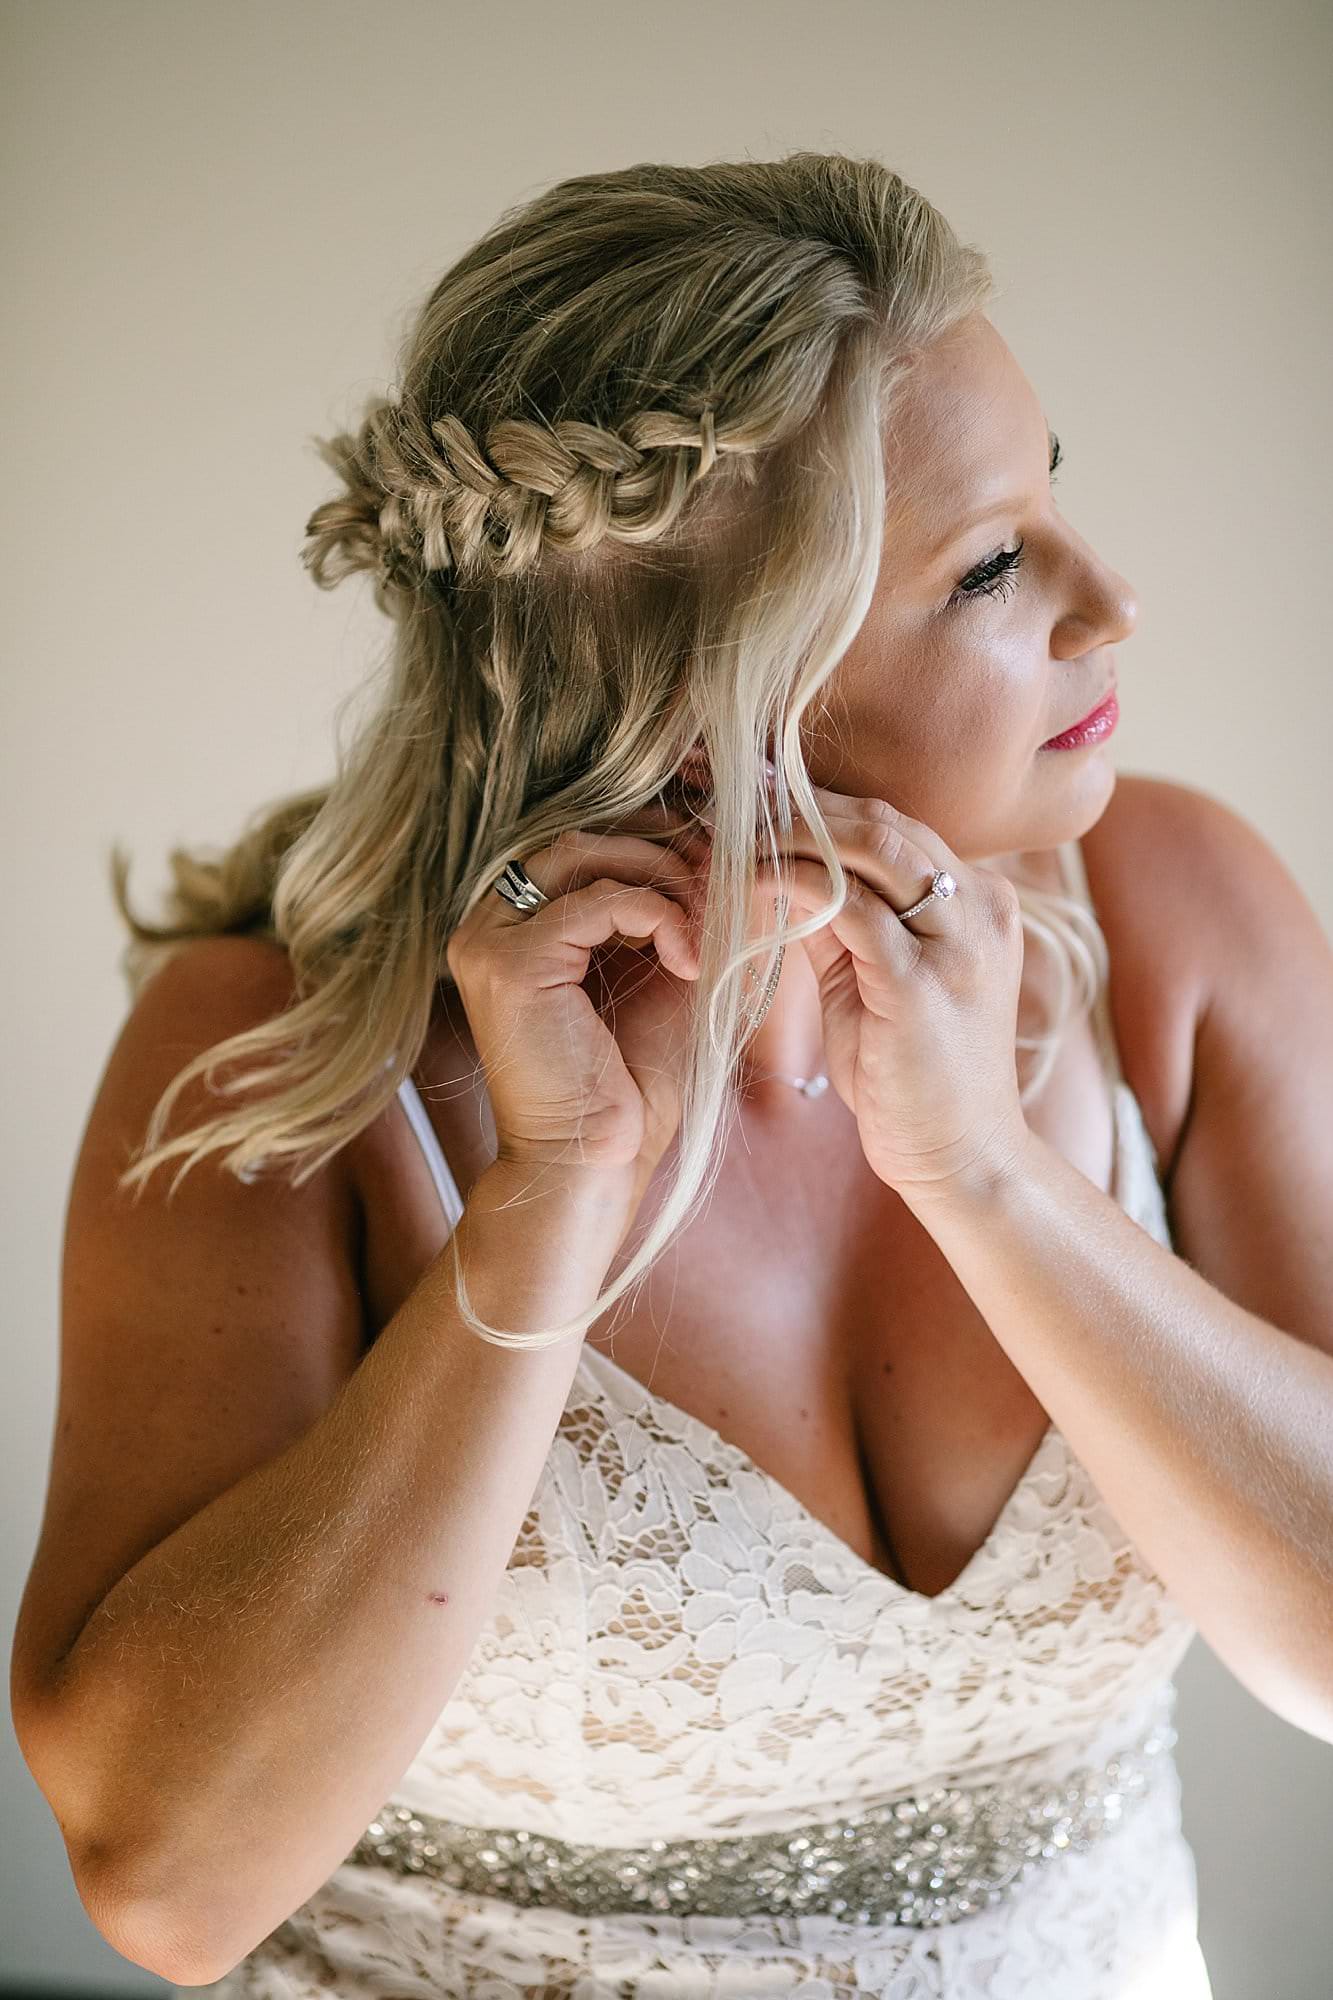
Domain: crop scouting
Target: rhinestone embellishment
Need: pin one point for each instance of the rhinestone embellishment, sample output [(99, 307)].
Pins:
[(922, 1860)]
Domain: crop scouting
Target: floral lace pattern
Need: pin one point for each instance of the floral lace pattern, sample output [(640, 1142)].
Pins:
[(680, 1648)]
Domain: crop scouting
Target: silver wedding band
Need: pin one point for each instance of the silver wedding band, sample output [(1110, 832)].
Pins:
[(518, 888)]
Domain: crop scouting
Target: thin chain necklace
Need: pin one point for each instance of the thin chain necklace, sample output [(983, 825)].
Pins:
[(809, 1086)]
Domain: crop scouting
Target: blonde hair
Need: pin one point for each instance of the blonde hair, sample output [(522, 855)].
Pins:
[(629, 496)]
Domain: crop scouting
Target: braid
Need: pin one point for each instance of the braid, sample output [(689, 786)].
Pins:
[(423, 499)]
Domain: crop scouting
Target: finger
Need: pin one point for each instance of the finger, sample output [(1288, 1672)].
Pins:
[(896, 855), (555, 943), (606, 910), (894, 868), (865, 810), (569, 857), (867, 926)]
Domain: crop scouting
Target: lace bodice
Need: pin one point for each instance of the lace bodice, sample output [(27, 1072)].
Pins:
[(678, 1648)]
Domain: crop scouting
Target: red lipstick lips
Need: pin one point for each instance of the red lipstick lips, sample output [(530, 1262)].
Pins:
[(1091, 729)]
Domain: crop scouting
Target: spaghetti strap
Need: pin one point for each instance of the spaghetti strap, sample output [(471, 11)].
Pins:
[(1075, 874), (445, 1184)]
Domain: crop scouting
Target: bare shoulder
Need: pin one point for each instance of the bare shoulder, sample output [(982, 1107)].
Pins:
[(1142, 858), (1183, 858), (252, 972)]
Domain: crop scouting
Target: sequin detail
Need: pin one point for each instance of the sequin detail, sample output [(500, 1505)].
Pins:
[(922, 1860)]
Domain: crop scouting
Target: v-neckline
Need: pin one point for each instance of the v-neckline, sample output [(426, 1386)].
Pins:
[(867, 1573)]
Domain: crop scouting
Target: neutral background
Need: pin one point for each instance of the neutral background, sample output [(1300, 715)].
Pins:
[(218, 221)]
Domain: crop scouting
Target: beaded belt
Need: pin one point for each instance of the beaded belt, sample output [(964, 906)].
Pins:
[(922, 1860)]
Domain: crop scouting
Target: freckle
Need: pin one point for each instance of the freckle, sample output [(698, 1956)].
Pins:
[(805, 1413), (437, 1597), (722, 1413)]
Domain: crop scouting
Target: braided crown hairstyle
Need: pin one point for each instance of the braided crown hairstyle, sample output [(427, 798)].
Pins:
[(627, 496), (431, 502)]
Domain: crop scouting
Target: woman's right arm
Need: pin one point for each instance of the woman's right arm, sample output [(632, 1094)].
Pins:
[(219, 1730)]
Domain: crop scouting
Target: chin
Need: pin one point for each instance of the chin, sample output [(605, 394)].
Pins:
[(1064, 810), (1077, 787)]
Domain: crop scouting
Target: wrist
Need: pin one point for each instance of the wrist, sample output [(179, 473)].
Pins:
[(536, 1241), (569, 1189), (981, 1185)]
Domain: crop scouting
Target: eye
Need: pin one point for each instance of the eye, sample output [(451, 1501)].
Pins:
[(996, 576), (992, 578)]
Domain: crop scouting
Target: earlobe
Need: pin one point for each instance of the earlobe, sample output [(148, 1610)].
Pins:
[(696, 773)]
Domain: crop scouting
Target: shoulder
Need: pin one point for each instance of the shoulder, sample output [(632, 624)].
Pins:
[(1145, 857), (224, 975), (1142, 805), (1190, 866), (1201, 917), (1251, 1181), (208, 990)]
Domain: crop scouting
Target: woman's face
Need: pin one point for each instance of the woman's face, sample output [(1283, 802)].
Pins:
[(943, 700)]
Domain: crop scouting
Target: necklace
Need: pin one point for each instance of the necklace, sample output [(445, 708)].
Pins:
[(809, 1086)]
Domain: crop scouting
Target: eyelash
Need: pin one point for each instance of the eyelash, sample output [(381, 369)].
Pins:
[(995, 576)]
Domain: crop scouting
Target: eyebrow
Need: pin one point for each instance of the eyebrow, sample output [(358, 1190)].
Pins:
[(997, 506)]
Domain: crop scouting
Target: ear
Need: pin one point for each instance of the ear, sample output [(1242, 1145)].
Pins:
[(696, 773)]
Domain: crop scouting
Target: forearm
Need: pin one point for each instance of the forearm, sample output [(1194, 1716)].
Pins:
[(1207, 1431), (242, 1702)]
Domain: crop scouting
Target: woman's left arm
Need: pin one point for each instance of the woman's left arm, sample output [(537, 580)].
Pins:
[(1197, 1388)]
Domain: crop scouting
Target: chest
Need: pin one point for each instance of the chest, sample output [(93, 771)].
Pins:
[(805, 1315), (812, 1321)]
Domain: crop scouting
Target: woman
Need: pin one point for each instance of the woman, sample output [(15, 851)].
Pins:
[(808, 1627)]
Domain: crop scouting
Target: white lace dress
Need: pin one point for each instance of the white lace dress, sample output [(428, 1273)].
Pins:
[(679, 1651)]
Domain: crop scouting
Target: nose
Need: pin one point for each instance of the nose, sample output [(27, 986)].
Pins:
[(1122, 607), (1105, 612)]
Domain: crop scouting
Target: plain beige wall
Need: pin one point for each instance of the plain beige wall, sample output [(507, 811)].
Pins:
[(219, 218)]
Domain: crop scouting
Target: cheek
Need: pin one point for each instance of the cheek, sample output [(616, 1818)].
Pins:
[(969, 704), (1005, 691), (936, 718)]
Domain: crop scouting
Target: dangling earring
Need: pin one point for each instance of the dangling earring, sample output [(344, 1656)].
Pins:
[(770, 985)]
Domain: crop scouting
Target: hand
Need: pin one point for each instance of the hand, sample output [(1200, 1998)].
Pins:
[(580, 1034), (920, 1019)]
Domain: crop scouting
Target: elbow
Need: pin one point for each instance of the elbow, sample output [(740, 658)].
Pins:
[(146, 1929), (1293, 1685), (138, 1927)]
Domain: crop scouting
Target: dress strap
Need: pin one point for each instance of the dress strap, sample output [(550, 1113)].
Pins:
[(1074, 871), (445, 1184)]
